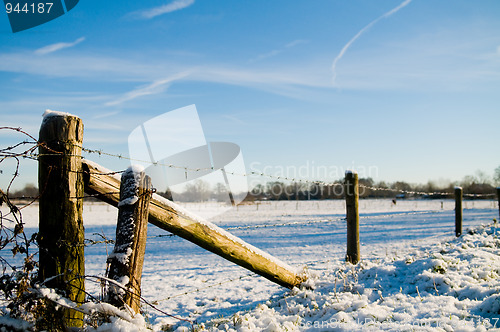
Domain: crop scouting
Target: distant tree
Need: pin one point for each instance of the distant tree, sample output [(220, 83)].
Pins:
[(220, 193), (366, 182), (198, 191), (29, 190), (482, 177), (468, 181), (496, 176), (430, 187), (479, 184), (401, 185), (382, 193), (276, 190), (315, 191)]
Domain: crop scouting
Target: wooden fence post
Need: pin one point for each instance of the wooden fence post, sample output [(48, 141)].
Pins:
[(61, 232), (127, 259), (352, 214), (458, 211), (498, 197)]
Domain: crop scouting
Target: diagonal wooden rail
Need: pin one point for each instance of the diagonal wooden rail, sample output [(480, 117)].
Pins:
[(173, 218)]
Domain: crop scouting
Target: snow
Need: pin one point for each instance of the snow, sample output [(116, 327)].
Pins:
[(122, 257), (14, 324), (193, 217), (51, 294), (414, 274), (130, 182), (452, 285), (49, 113)]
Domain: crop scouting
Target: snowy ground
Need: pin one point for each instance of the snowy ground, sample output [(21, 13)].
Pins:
[(414, 273)]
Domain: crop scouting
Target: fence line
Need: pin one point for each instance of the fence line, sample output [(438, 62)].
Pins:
[(30, 153), (35, 157)]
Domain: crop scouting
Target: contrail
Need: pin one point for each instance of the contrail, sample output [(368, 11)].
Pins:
[(353, 39)]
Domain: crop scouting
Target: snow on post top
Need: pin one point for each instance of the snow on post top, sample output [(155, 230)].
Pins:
[(49, 113), (130, 185), (457, 187)]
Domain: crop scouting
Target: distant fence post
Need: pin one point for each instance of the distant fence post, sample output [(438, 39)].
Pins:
[(458, 211), (127, 259), (498, 197), (352, 216), (61, 232)]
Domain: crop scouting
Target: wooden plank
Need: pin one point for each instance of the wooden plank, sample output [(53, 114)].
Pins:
[(127, 258), (61, 232), (173, 218)]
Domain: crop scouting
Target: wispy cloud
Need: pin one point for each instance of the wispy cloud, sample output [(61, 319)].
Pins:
[(353, 39), (156, 87), (160, 10), (57, 46), (106, 115), (295, 43), (277, 51)]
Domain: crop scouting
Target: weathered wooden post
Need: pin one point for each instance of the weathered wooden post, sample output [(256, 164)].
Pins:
[(352, 216), (61, 232), (131, 232), (458, 211)]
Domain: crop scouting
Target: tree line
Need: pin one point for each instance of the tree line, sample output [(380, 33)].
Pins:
[(199, 190)]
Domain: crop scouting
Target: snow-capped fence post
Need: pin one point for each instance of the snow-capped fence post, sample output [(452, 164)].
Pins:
[(458, 211), (170, 217), (127, 258), (352, 216), (61, 232)]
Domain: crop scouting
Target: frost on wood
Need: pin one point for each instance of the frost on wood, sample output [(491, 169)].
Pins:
[(129, 195), (122, 257), (128, 254), (130, 185)]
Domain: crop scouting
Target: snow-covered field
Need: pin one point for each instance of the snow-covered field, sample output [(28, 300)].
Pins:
[(414, 274)]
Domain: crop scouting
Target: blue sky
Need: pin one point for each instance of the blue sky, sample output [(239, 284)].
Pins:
[(407, 87)]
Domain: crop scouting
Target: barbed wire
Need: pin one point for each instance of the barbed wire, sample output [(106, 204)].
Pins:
[(422, 193), (204, 169), (276, 177), (35, 156)]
